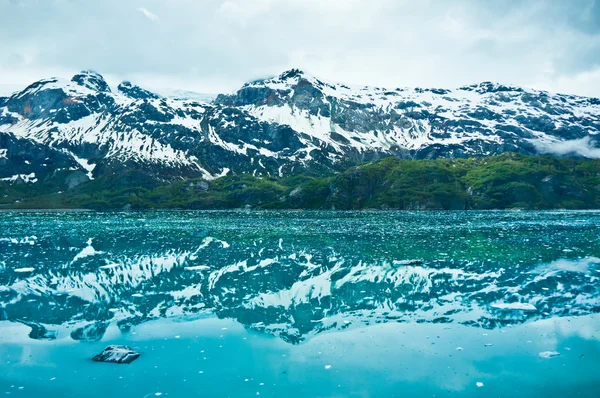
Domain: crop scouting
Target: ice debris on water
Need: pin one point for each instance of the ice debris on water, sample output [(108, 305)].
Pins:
[(24, 270), (197, 268), (117, 354), (479, 384), (514, 306), (549, 354)]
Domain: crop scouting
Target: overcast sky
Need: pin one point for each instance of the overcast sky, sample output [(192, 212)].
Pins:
[(216, 45)]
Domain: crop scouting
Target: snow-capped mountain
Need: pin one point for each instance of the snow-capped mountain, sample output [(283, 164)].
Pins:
[(186, 95), (274, 126)]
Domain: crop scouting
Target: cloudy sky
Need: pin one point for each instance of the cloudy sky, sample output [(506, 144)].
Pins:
[(216, 45)]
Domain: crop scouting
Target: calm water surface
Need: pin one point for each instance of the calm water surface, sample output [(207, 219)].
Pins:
[(301, 304)]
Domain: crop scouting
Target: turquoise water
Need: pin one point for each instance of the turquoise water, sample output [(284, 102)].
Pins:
[(301, 304)]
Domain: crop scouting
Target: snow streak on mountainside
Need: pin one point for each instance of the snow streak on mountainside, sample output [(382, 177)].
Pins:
[(275, 127)]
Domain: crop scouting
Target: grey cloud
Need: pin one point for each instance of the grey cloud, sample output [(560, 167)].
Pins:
[(218, 44)]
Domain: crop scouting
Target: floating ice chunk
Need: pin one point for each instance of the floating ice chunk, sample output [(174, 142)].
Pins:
[(549, 354), (117, 354), (137, 295), (197, 268), (23, 270), (327, 367), (109, 266), (87, 251), (514, 306), (488, 345), (479, 384), (459, 348)]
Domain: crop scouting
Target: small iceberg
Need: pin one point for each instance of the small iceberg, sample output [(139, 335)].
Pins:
[(549, 354), (87, 251), (117, 354), (514, 306), (110, 266), (24, 270), (197, 268)]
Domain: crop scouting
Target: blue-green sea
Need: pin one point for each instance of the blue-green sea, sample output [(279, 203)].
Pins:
[(301, 304)]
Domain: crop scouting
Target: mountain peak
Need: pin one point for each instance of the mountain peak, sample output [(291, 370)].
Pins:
[(133, 91), (92, 80), (292, 74)]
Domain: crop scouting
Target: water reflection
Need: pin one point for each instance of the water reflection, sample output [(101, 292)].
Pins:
[(295, 275)]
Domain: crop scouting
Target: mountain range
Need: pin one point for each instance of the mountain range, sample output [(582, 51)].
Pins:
[(68, 132)]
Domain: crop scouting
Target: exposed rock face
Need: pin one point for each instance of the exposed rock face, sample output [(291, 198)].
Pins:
[(76, 178), (24, 161), (117, 354), (279, 126)]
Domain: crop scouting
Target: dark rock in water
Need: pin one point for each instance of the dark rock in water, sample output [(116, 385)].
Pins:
[(117, 354), (90, 333), (39, 332)]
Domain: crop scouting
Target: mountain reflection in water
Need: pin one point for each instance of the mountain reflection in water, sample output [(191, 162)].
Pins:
[(295, 274)]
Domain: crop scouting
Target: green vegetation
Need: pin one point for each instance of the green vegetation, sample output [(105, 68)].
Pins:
[(500, 182)]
